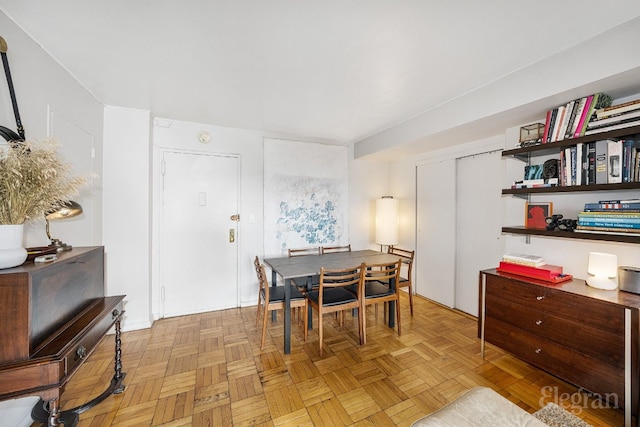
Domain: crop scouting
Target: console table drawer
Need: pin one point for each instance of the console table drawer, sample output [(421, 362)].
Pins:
[(584, 310), (581, 337), (578, 368)]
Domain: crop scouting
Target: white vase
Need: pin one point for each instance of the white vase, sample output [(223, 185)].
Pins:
[(12, 253)]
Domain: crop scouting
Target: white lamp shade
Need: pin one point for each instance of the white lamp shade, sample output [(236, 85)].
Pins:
[(603, 271), (387, 210)]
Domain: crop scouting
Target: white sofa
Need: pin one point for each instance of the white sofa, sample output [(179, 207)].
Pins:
[(480, 406)]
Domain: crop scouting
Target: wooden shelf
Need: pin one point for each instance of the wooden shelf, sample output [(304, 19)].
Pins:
[(608, 237), (573, 188), (554, 147)]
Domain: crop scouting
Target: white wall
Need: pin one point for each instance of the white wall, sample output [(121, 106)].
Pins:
[(127, 211), (42, 86)]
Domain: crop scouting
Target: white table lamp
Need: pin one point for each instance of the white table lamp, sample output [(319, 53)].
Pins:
[(603, 271)]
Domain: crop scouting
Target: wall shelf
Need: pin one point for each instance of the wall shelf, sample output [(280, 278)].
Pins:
[(607, 237)]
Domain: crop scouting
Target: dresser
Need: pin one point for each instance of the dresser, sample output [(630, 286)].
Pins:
[(54, 314), (585, 336)]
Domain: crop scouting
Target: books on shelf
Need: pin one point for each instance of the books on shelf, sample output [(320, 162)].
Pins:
[(599, 229), (523, 259), (618, 109)]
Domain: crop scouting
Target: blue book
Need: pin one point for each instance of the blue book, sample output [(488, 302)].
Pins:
[(609, 224), (610, 206)]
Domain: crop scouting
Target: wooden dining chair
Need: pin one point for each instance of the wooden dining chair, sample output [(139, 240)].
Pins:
[(301, 282), (333, 295), (272, 298), (377, 289), (406, 275), (333, 249)]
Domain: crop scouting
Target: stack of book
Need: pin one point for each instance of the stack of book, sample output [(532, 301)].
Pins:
[(532, 266), (610, 216), (570, 120), (614, 117)]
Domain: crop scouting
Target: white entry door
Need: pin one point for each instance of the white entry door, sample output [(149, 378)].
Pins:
[(198, 239)]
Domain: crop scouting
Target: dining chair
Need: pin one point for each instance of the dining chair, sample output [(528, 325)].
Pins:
[(301, 282), (272, 298), (333, 249), (377, 289), (405, 280), (333, 295)]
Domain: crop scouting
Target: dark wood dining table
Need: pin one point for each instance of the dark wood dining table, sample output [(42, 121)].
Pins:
[(309, 265)]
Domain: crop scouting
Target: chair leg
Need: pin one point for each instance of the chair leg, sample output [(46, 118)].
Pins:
[(362, 324), (398, 315), (258, 313), (264, 326), (320, 331), (411, 300), (305, 322)]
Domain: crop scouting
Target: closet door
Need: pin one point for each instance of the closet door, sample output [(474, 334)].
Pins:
[(479, 243), (436, 231)]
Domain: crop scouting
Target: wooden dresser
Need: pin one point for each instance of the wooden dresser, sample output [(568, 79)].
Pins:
[(54, 314), (585, 336)]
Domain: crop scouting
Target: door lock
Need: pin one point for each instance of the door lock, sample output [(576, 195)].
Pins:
[(235, 217), (232, 235)]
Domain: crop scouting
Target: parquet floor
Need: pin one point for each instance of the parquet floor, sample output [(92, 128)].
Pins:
[(208, 370)]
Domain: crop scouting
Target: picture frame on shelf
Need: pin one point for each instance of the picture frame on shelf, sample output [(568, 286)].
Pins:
[(536, 213)]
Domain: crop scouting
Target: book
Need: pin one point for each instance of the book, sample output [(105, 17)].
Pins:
[(523, 259), (558, 124), (572, 117), (585, 113), (603, 231), (578, 115), (547, 122), (591, 163), (634, 122), (565, 120), (617, 109), (627, 165), (610, 206), (614, 161), (601, 162), (616, 229), (610, 222), (552, 123), (620, 201), (613, 214), (615, 119)]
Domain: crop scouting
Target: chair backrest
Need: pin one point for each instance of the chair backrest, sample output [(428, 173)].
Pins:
[(332, 249), (304, 251), (346, 277), (263, 283), (383, 272), (407, 257)]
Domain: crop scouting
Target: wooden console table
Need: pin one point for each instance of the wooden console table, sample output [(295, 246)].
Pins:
[(585, 336), (54, 316)]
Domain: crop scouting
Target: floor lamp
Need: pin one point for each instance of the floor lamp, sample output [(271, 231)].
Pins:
[(387, 213)]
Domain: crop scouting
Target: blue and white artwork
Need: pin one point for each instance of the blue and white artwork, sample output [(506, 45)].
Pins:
[(305, 195)]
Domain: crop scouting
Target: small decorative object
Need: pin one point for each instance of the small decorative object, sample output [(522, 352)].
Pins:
[(531, 134), (33, 181), (558, 223), (550, 169), (602, 270), (533, 172), (537, 213)]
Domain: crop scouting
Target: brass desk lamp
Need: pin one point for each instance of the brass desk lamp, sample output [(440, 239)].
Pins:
[(68, 210)]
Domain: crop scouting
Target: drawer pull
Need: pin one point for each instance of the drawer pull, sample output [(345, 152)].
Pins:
[(538, 322), (81, 352), (538, 350), (539, 298)]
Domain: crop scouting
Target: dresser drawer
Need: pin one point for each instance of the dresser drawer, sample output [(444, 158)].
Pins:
[(577, 368), (581, 337), (587, 311)]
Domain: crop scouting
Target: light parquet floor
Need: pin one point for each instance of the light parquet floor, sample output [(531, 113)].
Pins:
[(207, 370)]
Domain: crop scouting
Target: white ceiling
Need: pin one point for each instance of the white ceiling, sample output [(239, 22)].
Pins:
[(329, 70)]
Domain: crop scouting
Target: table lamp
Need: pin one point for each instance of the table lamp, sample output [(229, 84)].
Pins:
[(387, 210), (603, 271), (67, 210)]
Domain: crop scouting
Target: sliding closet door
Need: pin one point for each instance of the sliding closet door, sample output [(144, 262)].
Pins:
[(436, 221), (479, 242)]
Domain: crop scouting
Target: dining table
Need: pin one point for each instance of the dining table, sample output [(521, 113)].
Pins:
[(308, 266)]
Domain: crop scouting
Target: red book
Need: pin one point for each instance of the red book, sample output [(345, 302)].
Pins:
[(547, 272), (585, 113)]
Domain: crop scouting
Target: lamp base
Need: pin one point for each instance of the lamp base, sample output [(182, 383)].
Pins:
[(602, 283), (61, 247)]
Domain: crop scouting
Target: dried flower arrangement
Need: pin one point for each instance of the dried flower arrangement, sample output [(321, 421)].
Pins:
[(33, 181)]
